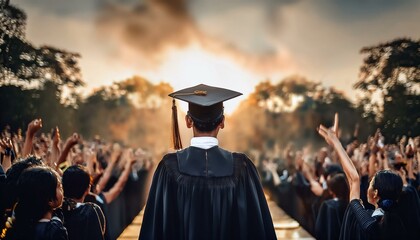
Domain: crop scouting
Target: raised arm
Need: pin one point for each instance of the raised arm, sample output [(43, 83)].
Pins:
[(115, 154), (410, 158), (272, 168), (55, 149), (71, 141), (122, 180), (6, 149), (330, 136), (33, 127), (316, 187)]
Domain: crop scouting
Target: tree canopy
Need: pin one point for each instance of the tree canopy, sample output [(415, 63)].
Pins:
[(390, 82), (29, 66), (290, 111)]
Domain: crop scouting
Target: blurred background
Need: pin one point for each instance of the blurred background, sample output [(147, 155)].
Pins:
[(104, 68)]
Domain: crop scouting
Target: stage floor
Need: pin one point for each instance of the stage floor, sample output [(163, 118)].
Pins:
[(286, 227)]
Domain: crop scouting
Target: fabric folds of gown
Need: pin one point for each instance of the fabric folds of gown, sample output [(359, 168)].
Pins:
[(181, 206)]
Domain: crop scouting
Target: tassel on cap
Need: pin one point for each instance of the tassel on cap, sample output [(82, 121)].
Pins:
[(176, 137), (205, 103)]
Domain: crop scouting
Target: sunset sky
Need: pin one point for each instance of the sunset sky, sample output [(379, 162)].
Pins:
[(228, 43)]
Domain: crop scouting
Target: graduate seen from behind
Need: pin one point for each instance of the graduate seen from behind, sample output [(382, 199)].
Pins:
[(204, 191), (82, 220)]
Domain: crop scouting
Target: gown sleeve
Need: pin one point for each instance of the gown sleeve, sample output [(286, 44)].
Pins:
[(95, 221), (56, 230), (357, 223), (254, 220), (159, 220), (326, 223), (409, 211)]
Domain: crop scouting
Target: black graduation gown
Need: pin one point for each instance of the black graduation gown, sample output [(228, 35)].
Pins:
[(52, 230), (359, 224), (329, 219), (409, 210), (206, 194), (306, 198), (85, 222), (101, 202)]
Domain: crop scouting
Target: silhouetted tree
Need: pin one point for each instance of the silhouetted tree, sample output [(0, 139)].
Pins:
[(390, 81), (34, 81), (290, 111), (23, 64)]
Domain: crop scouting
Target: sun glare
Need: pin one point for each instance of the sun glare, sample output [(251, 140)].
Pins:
[(193, 65)]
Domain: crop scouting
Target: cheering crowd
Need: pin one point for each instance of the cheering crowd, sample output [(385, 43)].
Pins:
[(51, 189), (358, 190)]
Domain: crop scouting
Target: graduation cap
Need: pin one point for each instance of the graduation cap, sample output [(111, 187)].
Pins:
[(205, 106)]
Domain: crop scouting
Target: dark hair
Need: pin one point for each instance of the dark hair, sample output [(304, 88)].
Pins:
[(204, 126), (13, 175), (338, 185), (16, 169), (332, 169), (36, 188), (76, 180), (389, 186)]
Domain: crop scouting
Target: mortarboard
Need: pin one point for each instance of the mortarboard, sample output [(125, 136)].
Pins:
[(205, 105)]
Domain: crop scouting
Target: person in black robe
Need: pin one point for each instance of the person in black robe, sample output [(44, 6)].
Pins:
[(100, 200), (82, 220), (409, 210), (39, 194), (331, 212), (204, 191)]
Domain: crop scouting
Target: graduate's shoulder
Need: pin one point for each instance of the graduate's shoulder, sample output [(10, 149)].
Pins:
[(242, 159), (243, 165), (168, 158), (168, 163)]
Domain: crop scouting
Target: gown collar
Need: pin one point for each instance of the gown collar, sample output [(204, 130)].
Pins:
[(378, 212), (212, 162), (204, 142)]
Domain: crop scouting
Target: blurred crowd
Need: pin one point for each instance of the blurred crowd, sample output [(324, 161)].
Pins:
[(319, 188), (72, 189), (349, 189)]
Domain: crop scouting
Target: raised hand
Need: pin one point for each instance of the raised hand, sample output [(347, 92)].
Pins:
[(56, 136), (6, 143), (330, 134), (70, 142), (115, 153), (6, 147), (89, 155), (73, 140), (34, 126), (128, 157)]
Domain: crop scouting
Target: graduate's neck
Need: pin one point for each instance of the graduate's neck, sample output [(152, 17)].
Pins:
[(48, 215), (82, 199), (205, 134), (79, 200)]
